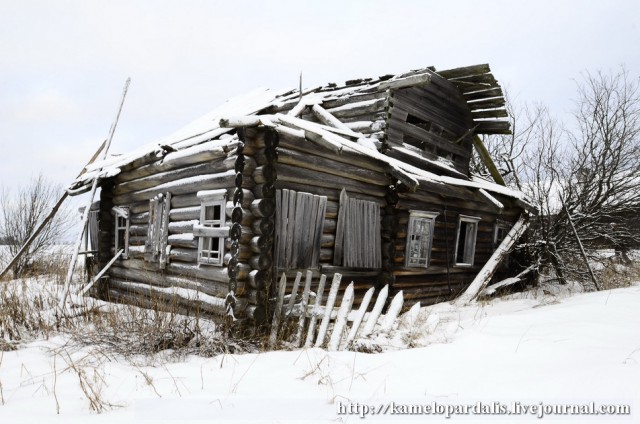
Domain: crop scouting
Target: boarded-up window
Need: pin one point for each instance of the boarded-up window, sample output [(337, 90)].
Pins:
[(358, 234), (466, 240), (419, 238), (299, 222), (158, 229)]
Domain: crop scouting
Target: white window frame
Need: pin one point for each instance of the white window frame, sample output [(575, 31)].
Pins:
[(414, 216), (470, 239), (210, 229), (121, 213), (500, 225)]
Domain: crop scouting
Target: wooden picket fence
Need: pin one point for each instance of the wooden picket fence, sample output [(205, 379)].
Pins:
[(340, 335)]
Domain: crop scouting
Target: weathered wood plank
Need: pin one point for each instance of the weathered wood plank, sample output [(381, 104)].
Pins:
[(331, 299), (341, 319)]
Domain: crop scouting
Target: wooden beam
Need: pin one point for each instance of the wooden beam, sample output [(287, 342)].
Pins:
[(486, 159), (487, 271), (102, 272)]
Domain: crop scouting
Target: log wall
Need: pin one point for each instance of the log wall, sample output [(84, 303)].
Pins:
[(210, 166)]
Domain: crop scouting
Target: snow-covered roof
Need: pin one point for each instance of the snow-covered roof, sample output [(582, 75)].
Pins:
[(283, 109)]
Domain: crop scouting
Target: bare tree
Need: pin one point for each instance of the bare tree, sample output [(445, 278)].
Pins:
[(595, 169), (22, 211), (603, 195)]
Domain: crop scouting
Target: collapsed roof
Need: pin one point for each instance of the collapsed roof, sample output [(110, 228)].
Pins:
[(284, 109)]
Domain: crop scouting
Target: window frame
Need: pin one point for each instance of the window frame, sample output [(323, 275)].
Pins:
[(472, 241), (121, 213), (212, 228), (414, 216)]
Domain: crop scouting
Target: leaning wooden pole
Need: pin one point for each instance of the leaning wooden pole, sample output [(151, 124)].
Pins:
[(487, 271), (486, 159), (49, 217), (582, 252), (85, 214)]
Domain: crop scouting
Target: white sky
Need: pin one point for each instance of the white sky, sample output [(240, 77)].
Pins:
[(63, 64)]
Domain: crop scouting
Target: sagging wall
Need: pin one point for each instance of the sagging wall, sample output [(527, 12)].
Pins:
[(443, 279), (303, 166), (182, 282)]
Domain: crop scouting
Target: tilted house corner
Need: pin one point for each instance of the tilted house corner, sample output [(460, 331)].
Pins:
[(370, 180)]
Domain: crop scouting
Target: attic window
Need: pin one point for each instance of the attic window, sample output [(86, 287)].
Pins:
[(211, 230), (466, 240), (158, 229), (419, 238), (418, 122), (121, 230)]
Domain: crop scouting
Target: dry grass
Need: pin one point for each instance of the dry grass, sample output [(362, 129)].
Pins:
[(30, 311)]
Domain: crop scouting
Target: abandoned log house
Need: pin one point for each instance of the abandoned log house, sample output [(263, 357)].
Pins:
[(369, 179)]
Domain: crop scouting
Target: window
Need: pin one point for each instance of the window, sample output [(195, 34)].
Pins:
[(500, 232), (419, 238), (299, 224), (466, 240), (211, 231), (358, 242), (122, 230), (158, 229)]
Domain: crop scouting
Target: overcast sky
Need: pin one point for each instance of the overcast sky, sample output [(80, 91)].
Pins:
[(63, 63)]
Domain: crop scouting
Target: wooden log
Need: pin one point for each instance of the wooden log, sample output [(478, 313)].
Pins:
[(205, 152), (331, 299), (181, 240), (488, 162), (263, 226), (341, 319), (258, 279), (305, 176), (239, 215), (262, 262), (261, 244), (263, 207), (154, 278), (183, 186), (181, 227), (181, 214), (266, 190), (180, 254), (317, 163), (265, 173), (163, 177), (174, 301)]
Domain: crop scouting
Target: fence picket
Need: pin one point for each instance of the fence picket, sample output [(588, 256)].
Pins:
[(375, 313), (275, 324), (359, 316), (294, 291), (341, 319), (316, 311), (331, 299), (392, 312), (303, 313)]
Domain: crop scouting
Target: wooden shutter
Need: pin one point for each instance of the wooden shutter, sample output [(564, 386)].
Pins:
[(358, 241), (299, 224)]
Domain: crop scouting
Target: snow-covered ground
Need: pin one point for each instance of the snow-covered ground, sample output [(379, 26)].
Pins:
[(527, 350)]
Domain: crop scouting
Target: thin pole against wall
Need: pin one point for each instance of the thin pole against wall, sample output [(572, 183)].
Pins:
[(94, 186)]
